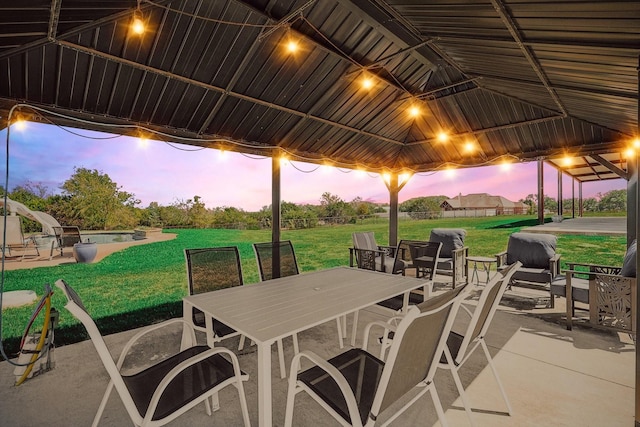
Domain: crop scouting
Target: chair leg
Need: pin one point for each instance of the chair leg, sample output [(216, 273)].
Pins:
[(458, 382), (241, 344), (495, 374), (438, 405), (103, 404)]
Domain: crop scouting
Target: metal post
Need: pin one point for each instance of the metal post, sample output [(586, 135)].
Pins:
[(540, 192), (275, 214), (580, 204), (560, 210), (393, 209), (573, 197), (633, 206)]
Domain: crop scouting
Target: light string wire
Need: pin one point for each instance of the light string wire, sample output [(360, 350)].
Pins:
[(4, 248), (142, 130)]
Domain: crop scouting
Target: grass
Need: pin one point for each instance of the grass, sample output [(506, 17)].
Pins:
[(144, 284)]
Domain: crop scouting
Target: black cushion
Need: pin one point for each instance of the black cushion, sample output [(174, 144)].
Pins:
[(533, 250), (629, 263), (451, 239)]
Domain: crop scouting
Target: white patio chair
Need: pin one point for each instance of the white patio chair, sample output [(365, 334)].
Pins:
[(355, 387), (14, 238), (160, 393)]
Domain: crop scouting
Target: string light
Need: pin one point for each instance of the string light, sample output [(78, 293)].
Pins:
[(636, 143), (20, 124), (137, 24), (505, 166), (469, 147), (629, 152), (443, 137), (414, 111), (567, 161)]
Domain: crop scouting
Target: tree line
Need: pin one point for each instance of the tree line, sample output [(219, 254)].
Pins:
[(91, 200)]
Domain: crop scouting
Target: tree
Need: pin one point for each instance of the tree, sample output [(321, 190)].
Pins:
[(98, 201), (423, 207), (612, 201), (336, 210)]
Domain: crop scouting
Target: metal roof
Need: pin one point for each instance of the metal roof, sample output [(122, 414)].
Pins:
[(525, 80)]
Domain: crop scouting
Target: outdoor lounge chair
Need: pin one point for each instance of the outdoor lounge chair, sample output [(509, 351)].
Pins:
[(609, 292), (540, 262), (355, 387), (210, 269), (160, 393), (66, 237), (14, 238), (453, 255), (369, 255)]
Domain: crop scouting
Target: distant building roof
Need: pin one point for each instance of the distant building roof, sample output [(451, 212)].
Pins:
[(480, 201)]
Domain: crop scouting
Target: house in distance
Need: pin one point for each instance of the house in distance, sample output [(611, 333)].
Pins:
[(481, 204)]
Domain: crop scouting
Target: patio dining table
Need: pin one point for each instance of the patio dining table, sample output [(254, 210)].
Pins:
[(278, 308)]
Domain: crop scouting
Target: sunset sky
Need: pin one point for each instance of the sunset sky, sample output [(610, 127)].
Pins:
[(166, 173)]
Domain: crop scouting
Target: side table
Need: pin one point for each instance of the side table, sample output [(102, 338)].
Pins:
[(485, 265)]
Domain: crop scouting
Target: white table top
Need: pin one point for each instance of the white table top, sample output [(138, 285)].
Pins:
[(277, 308)]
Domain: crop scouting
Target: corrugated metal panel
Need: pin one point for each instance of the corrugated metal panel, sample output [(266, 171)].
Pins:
[(517, 77)]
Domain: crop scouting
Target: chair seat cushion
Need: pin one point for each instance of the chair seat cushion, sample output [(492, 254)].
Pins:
[(187, 386), (579, 291), (361, 370)]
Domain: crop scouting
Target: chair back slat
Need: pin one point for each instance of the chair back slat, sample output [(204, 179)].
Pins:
[(417, 345), (210, 269), (276, 259)]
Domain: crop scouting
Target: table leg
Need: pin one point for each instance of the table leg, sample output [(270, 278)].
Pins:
[(264, 385)]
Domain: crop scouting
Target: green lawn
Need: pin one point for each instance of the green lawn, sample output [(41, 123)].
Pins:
[(145, 283)]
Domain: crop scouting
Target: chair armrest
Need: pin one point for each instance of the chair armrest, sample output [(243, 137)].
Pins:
[(608, 269), (386, 328), (501, 258), (554, 265), (333, 372), (152, 328), (389, 250)]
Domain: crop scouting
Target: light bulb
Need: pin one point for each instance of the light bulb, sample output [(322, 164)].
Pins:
[(443, 137), (414, 111), (137, 25), (292, 46)]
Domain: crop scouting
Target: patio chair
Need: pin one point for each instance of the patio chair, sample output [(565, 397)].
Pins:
[(609, 292), (356, 387), (65, 237), (369, 255), (160, 393), (210, 269), (540, 262), (453, 256), (460, 346), (276, 259), (13, 237)]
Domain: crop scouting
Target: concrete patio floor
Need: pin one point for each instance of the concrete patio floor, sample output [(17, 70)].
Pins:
[(553, 377)]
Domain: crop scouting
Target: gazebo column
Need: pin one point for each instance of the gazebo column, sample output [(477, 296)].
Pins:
[(394, 185), (540, 192), (560, 210), (275, 213)]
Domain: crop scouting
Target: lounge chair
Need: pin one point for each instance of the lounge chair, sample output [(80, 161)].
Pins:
[(453, 255), (66, 237), (368, 254), (540, 262), (609, 292), (14, 238)]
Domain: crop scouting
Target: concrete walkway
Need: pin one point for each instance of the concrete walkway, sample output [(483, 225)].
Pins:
[(553, 377), (590, 226)]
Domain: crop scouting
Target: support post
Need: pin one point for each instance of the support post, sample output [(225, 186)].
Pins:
[(540, 192), (573, 198), (560, 210), (393, 209), (580, 200), (633, 206), (275, 213)]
